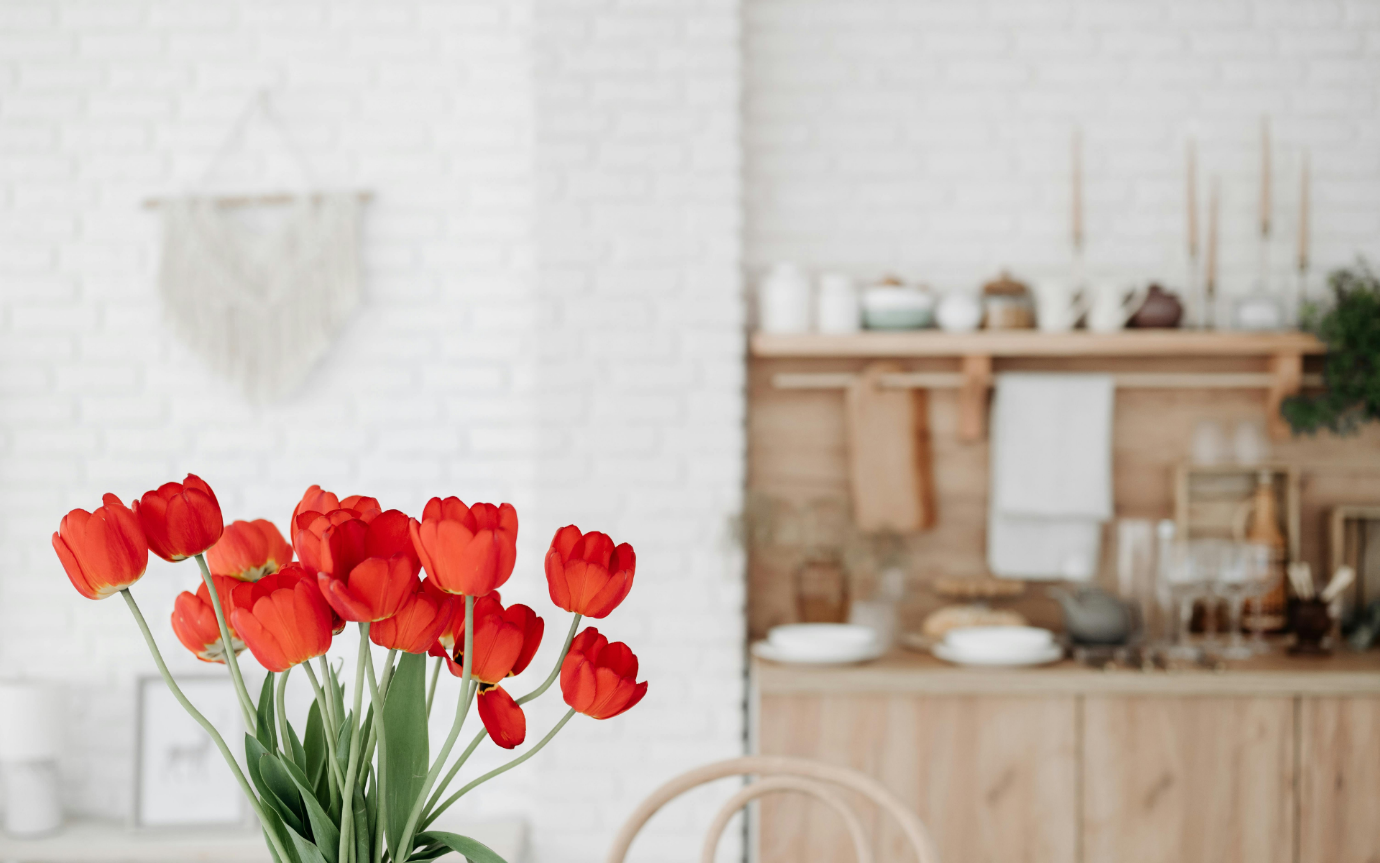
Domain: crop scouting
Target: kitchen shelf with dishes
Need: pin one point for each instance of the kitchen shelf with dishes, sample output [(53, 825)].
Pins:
[(1282, 354)]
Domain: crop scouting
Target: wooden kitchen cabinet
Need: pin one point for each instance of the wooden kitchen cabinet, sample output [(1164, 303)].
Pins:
[(1339, 780), (993, 778), (1170, 779), (1274, 761)]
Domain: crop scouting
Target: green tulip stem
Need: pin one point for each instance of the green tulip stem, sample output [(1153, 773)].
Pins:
[(337, 781), (376, 731), (347, 821), (462, 708), (246, 703), (478, 738), (560, 660), (203, 722), (282, 714), (330, 700), (498, 771), (367, 755), (431, 690)]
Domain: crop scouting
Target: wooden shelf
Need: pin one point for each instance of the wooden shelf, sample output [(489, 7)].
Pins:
[(1283, 351), (1343, 674), (1032, 343)]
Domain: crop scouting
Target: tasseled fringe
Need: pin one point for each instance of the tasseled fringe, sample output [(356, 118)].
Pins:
[(261, 316)]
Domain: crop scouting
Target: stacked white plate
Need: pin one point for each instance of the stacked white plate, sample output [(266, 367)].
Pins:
[(820, 644), (998, 645)]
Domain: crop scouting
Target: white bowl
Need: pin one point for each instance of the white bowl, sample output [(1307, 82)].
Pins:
[(1005, 640), (822, 638)]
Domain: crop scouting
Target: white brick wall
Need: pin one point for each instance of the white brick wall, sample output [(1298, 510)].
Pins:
[(585, 365), (932, 138)]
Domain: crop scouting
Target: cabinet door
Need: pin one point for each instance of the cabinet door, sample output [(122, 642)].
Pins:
[(993, 779), (1339, 780), (1188, 780)]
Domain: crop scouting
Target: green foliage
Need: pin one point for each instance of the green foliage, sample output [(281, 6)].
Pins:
[(473, 850), (405, 757), (267, 733), (1351, 374)]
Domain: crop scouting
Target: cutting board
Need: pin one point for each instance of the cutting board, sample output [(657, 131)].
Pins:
[(889, 454)]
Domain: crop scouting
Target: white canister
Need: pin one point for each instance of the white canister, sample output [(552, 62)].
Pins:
[(959, 312), (836, 304), (29, 744), (783, 300)]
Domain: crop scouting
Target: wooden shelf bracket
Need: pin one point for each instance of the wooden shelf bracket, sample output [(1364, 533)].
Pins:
[(1287, 373), (972, 397)]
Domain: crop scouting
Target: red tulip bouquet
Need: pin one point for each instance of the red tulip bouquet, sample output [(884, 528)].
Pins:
[(357, 785)]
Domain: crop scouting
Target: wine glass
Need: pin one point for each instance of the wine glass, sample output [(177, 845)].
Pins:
[(1185, 585), (1232, 584), (1260, 577), (1208, 558)]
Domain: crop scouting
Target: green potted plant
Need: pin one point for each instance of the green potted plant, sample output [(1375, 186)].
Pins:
[(1351, 373)]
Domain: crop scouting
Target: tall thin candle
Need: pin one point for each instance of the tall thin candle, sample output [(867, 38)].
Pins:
[(1192, 200), (1265, 176), (1077, 191), (1212, 239), (1303, 216)]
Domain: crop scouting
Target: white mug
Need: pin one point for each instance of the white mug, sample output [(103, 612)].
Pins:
[(1057, 306), (1112, 307)]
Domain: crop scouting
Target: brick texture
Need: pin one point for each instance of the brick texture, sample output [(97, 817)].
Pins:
[(933, 139), (552, 317)]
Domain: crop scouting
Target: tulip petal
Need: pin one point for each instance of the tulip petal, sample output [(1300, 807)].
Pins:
[(503, 718)]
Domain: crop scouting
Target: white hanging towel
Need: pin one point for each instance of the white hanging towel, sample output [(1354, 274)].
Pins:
[(261, 306), (1051, 474)]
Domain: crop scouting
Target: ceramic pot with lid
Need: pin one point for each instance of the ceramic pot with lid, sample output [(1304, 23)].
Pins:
[(1160, 309)]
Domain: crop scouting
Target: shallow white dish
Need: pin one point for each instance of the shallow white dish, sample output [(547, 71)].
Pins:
[(1044, 656), (821, 637), (998, 639), (767, 650)]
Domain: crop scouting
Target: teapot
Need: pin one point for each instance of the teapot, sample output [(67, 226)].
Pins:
[(1057, 305), (1160, 309), (1094, 616)]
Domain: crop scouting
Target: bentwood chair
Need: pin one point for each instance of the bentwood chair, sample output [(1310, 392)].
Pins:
[(776, 774)]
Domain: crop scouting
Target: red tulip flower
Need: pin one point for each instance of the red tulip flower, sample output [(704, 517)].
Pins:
[(287, 623), (586, 573), (180, 519), (417, 625), (249, 550), (368, 570), (194, 620), (104, 551), (597, 678), (505, 640), (467, 550), (317, 500)]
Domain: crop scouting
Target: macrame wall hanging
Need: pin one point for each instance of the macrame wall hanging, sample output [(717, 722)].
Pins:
[(259, 285)]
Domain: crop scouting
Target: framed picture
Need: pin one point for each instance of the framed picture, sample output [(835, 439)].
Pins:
[(180, 777)]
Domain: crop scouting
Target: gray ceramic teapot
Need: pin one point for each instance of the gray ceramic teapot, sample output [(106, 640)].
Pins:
[(1094, 616)]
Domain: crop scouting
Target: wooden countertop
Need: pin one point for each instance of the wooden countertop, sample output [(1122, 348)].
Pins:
[(904, 671)]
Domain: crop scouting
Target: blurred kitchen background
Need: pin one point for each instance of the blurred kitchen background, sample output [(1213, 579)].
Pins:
[(573, 204)]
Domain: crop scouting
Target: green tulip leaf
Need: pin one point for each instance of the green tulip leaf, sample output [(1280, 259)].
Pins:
[(266, 732), (282, 792), (404, 754), (308, 852), (472, 849), (323, 830)]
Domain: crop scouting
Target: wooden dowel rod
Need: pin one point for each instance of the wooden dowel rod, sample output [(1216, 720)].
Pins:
[(1125, 380)]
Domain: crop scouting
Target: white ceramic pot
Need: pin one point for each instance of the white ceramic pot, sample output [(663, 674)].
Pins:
[(1057, 305), (783, 300), (836, 305), (893, 307), (959, 312)]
